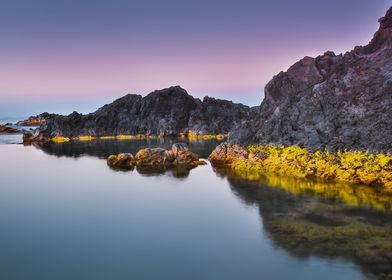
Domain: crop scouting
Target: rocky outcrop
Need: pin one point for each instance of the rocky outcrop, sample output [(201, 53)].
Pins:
[(227, 154), (166, 112), (36, 120), (179, 156), (7, 128), (330, 102), (215, 116), (121, 161)]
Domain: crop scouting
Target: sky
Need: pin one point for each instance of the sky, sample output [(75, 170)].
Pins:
[(65, 55)]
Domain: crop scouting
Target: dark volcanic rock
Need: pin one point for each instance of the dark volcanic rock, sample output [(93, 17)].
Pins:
[(331, 101), (215, 116), (166, 112)]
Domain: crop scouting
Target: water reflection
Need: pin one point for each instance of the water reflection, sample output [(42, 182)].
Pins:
[(104, 148), (305, 218), (309, 218)]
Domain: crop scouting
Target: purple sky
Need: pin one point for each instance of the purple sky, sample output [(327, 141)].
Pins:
[(59, 55)]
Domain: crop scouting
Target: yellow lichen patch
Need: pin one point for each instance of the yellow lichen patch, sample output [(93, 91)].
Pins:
[(85, 138), (125, 137), (193, 136), (293, 161), (59, 139)]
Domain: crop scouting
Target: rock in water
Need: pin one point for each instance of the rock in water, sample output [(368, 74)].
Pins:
[(226, 154), (121, 161), (8, 129), (157, 159), (331, 101)]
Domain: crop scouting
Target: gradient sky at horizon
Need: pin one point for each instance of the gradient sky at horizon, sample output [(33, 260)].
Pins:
[(61, 55)]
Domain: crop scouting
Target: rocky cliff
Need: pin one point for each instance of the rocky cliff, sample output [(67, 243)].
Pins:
[(331, 101), (166, 112)]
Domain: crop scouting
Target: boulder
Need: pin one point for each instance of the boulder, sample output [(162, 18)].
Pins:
[(121, 161), (156, 157), (227, 153)]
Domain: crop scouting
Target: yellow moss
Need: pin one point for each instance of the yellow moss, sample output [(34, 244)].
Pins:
[(293, 161), (125, 137), (59, 139), (85, 138), (191, 136)]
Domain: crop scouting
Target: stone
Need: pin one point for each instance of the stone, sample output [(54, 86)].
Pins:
[(121, 161), (227, 153)]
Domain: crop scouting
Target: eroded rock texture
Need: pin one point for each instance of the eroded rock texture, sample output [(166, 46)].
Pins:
[(166, 112), (331, 101)]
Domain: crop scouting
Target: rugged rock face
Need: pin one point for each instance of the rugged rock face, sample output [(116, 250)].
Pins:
[(166, 112), (214, 116), (331, 101)]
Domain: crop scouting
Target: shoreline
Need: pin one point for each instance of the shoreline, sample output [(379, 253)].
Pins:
[(355, 167)]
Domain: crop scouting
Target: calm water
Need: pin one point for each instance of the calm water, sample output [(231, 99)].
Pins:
[(66, 215)]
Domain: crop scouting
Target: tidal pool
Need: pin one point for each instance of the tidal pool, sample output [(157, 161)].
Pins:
[(66, 215)]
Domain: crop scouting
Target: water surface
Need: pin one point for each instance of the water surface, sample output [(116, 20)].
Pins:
[(66, 215)]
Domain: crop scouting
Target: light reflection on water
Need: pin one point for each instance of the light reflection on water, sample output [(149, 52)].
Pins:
[(68, 216)]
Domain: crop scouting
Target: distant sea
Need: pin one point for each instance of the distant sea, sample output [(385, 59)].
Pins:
[(4, 120)]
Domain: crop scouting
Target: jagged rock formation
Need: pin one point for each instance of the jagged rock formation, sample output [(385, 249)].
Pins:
[(166, 112), (36, 120), (331, 101)]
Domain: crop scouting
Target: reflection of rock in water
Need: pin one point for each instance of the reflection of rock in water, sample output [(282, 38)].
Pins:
[(104, 148), (306, 224)]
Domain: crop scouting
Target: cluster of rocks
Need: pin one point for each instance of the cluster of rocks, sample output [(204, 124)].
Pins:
[(179, 156), (330, 102), (167, 112)]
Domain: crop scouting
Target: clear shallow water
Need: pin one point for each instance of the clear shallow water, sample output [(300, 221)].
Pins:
[(66, 215)]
